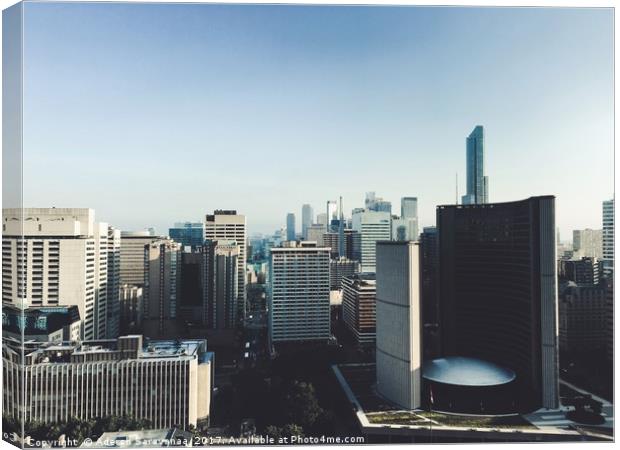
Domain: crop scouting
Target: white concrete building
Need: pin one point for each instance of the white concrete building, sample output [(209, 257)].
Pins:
[(587, 243), (166, 382), (608, 236), (57, 256), (373, 226), (399, 334), (299, 293), (314, 233), (230, 226)]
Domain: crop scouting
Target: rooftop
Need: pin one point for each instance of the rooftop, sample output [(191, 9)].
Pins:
[(464, 371)]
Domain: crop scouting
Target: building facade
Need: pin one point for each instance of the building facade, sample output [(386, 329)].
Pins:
[(114, 284), (359, 307), (477, 181), (161, 283), (229, 226), (221, 284), (57, 257), (307, 219), (339, 269), (132, 266), (188, 234), (299, 293), (498, 290), (373, 226), (608, 236), (399, 328), (583, 319), (588, 243), (165, 382)]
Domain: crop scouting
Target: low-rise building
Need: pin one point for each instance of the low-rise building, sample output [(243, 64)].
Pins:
[(165, 382)]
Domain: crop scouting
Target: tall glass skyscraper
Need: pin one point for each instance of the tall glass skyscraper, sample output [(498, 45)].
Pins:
[(290, 227), (477, 182), (307, 218)]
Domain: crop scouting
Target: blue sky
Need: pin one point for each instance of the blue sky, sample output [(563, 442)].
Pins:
[(154, 113)]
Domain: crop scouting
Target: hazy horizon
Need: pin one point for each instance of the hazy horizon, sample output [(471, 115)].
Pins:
[(153, 114)]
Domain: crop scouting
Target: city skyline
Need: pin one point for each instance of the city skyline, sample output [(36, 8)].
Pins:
[(198, 105)]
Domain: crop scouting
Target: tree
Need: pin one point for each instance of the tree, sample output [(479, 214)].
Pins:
[(301, 404)]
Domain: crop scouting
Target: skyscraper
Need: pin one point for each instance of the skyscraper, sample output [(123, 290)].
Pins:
[(220, 269), (315, 233), (132, 265), (477, 182), (372, 226), (161, 283), (399, 331), (290, 227), (114, 283), (299, 293), (57, 257), (358, 307), (230, 226), (374, 203), (588, 243), (409, 208), (608, 236), (307, 218), (332, 212), (189, 234), (498, 290)]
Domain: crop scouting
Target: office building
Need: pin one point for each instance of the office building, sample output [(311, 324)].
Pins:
[(372, 226), (307, 219), (359, 308), (404, 229), (161, 282), (315, 233), (230, 226), (331, 213), (498, 290), (409, 208), (477, 182), (584, 271), (57, 257), (41, 324), (221, 284), (588, 243), (131, 308), (340, 268), (608, 237), (321, 219), (112, 321), (132, 266), (331, 240), (374, 203), (290, 227), (299, 293), (190, 303), (429, 263), (166, 382), (188, 234), (399, 330), (583, 319)]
